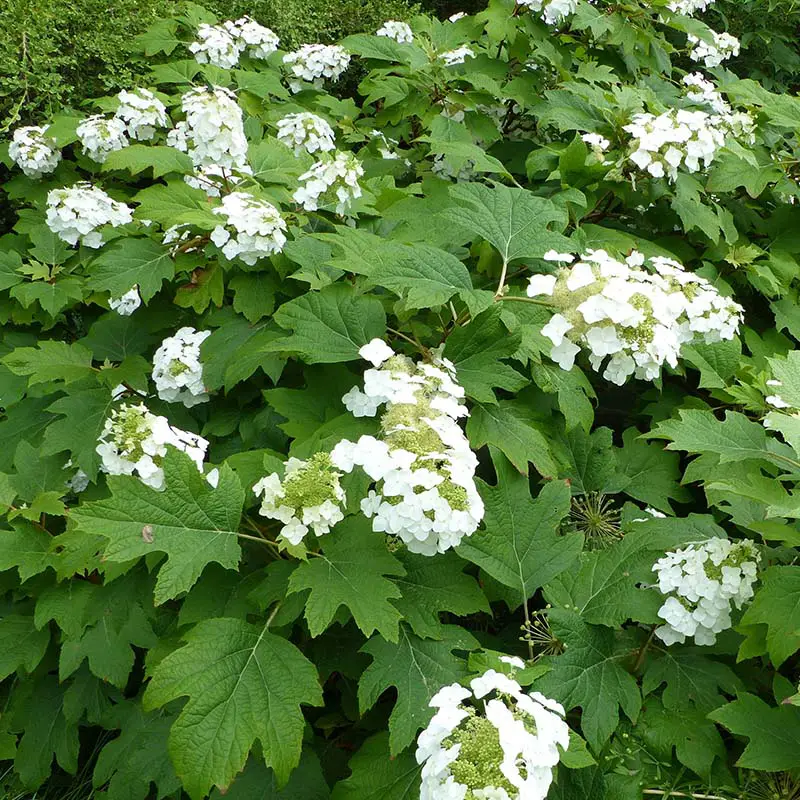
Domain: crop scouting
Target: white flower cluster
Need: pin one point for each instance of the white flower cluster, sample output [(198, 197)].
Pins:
[(739, 124), (640, 319), (221, 45), (333, 178), (177, 369), (457, 56), (258, 228), (134, 441), (33, 151), (661, 144), (127, 303), (689, 7), (76, 212), (101, 135), (142, 112), (306, 131), (503, 748), (213, 132), (598, 143), (712, 54), (212, 179), (701, 581), (309, 496), (422, 465), (553, 12), (775, 400), (313, 63), (399, 31)]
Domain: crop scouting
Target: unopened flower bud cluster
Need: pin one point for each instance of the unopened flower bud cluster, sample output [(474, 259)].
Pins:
[(492, 741), (142, 112), (399, 31), (701, 581), (134, 442), (222, 45), (639, 319), (333, 179), (306, 131), (101, 135), (313, 63), (308, 498), (76, 213), (258, 228), (213, 132), (33, 151), (422, 465), (177, 369), (677, 138), (553, 12), (722, 47)]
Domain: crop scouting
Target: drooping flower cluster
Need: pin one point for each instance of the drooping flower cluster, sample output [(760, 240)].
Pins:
[(422, 464), (689, 7), (177, 369), (661, 144), (738, 124), (213, 132), (306, 131), (502, 748), (77, 212), (101, 135), (334, 178), (701, 581), (134, 442), (258, 228), (457, 56), (553, 12), (127, 303), (222, 45), (712, 54), (142, 112), (312, 63), (308, 497), (33, 151), (399, 31), (640, 319)]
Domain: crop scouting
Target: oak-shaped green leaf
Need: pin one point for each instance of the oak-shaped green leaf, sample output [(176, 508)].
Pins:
[(351, 571), (50, 361), (136, 158), (589, 673), (193, 523), (376, 774), (25, 547), (520, 544), (128, 262), (330, 325), (433, 585), (774, 733), (777, 605), (417, 668), (243, 683), (515, 221), (22, 644), (476, 350)]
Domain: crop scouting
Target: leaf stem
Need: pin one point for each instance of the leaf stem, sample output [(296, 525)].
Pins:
[(693, 795), (643, 650), (535, 302), (273, 614), (254, 538), (502, 282)]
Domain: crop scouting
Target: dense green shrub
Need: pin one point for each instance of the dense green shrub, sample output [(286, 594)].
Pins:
[(306, 418)]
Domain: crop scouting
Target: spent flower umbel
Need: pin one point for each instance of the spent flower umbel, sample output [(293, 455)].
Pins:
[(492, 741), (177, 369), (700, 582), (33, 151), (309, 497), (422, 465)]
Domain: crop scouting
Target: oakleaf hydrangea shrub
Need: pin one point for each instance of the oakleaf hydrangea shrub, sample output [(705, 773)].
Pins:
[(436, 439)]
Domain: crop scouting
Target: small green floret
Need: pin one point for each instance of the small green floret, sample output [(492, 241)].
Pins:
[(177, 368), (478, 762), (313, 484)]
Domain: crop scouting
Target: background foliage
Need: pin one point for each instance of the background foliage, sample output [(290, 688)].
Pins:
[(122, 638)]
